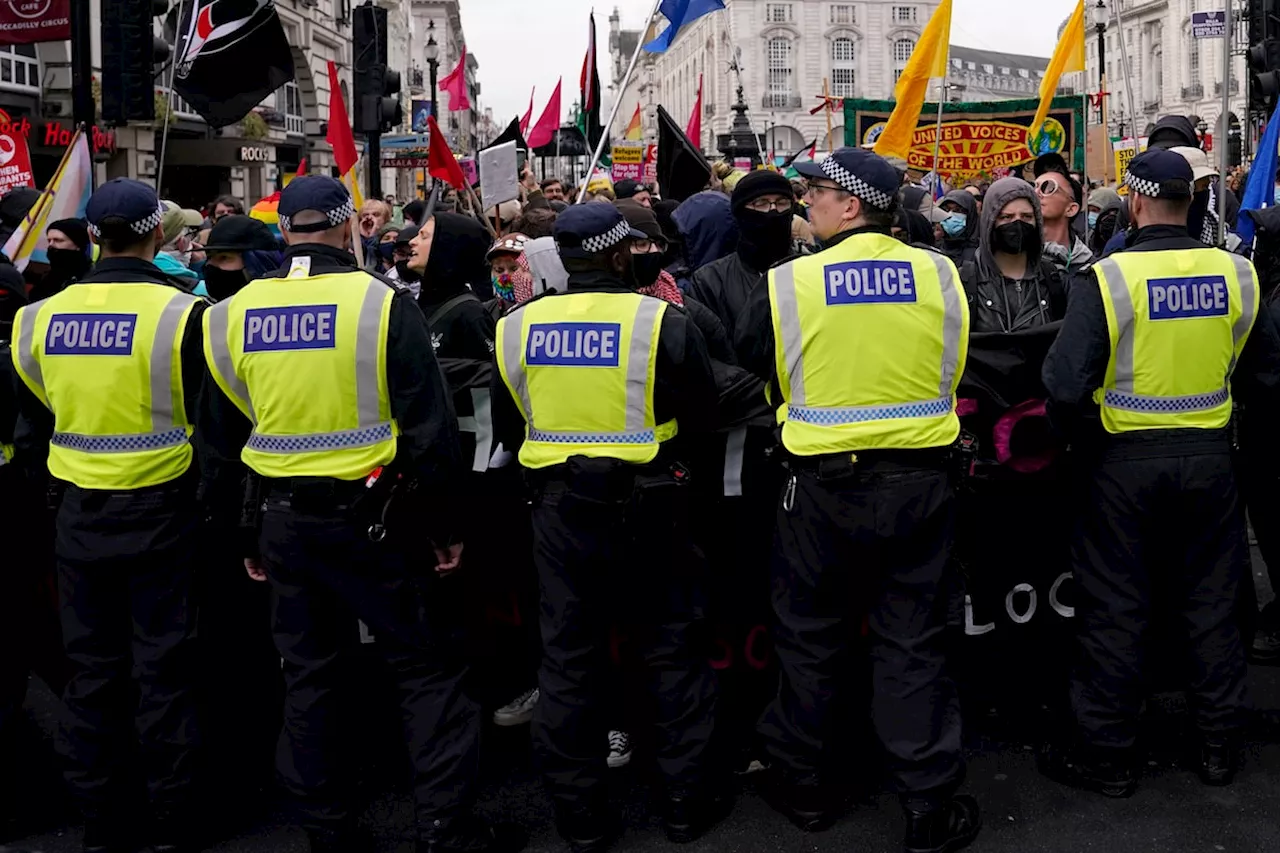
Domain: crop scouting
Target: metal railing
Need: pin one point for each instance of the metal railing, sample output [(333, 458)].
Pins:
[(780, 101)]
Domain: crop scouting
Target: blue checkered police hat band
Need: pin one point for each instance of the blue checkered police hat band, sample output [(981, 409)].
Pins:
[(853, 184), (142, 226), (612, 237), (333, 218)]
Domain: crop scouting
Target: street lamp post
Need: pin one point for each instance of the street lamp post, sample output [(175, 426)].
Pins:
[(432, 54)]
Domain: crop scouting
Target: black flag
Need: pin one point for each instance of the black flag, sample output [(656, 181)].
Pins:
[(682, 170), (511, 134), (230, 54)]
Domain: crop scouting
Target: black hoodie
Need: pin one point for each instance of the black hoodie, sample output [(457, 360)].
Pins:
[(461, 327), (965, 247)]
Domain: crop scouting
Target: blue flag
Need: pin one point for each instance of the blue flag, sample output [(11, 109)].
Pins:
[(679, 13), (1260, 191)]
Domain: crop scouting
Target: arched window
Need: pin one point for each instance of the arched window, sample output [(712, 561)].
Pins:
[(901, 53), (843, 68), (780, 72)]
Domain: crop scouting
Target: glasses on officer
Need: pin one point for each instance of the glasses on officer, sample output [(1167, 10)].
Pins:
[(770, 204), (814, 189)]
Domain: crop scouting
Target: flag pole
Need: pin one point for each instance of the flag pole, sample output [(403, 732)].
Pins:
[(1128, 79), (164, 136), (1224, 153), (937, 133), (617, 102)]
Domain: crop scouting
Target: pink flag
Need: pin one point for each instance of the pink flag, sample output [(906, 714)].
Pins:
[(455, 84), (694, 130), (528, 116), (545, 130)]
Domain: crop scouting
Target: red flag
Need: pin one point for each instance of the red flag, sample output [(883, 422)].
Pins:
[(339, 135), (545, 130), (694, 130), (302, 168), (440, 160), (455, 83), (528, 117), (589, 81)]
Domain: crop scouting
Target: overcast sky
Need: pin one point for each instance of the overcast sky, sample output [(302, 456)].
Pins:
[(520, 44)]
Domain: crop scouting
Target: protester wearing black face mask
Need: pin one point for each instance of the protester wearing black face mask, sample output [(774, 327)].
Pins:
[(762, 208), (240, 249), (652, 279), (69, 258), (1010, 285)]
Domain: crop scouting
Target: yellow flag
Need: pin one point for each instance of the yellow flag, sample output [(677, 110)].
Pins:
[(1068, 56), (929, 59)]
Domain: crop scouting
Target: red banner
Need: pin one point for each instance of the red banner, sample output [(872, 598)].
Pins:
[(31, 21), (15, 162)]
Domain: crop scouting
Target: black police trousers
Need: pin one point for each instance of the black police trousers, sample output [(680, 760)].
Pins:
[(1171, 525), (872, 540), (616, 555), (326, 577), (126, 564)]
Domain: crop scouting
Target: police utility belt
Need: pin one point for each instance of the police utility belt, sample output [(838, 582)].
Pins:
[(371, 504), (958, 458)]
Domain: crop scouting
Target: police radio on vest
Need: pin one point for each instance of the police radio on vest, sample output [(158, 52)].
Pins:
[(573, 344), (1183, 298), (90, 334), (869, 282)]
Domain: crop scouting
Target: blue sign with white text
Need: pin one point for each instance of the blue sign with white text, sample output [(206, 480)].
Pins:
[(90, 334), (573, 345), (869, 282), (292, 327), (1185, 298)]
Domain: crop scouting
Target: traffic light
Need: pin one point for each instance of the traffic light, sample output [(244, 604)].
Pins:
[(1264, 76), (377, 102), (130, 52)]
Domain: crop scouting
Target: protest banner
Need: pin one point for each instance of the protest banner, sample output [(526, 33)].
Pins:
[(628, 162)]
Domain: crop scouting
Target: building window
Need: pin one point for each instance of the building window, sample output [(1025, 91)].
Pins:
[(901, 53), (1023, 73), (989, 69), (843, 14), (1193, 59), (957, 64), (777, 13), (1004, 70), (970, 66), (19, 68), (904, 14), (289, 102), (842, 68), (779, 72)]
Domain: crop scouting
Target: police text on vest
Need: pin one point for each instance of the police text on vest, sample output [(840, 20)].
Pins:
[(869, 282), (1184, 298), (290, 327), (573, 344), (90, 334)]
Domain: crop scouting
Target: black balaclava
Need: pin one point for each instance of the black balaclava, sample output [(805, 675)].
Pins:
[(223, 284), (764, 238)]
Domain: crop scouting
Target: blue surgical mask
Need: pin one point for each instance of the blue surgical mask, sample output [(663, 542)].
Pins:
[(1093, 219), (953, 225)]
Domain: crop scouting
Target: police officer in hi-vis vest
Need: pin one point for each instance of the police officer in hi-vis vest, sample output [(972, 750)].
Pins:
[(111, 369), (596, 387), (330, 392), (863, 345), (1149, 345)]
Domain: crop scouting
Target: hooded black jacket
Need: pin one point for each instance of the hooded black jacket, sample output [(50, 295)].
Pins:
[(964, 248), (463, 328), (1000, 304)]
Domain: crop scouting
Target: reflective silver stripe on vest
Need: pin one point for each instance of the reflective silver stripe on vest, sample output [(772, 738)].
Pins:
[(1248, 305), (1122, 396), (223, 363), (25, 343), (372, 428), (734, 451), (792, 344), (165, 432), (643, 331)]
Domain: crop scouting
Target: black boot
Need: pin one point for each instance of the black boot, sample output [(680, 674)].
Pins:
[(1218, 763), (1110, 774), (471, 835), (953, 826), (588, 830), (689, 818), (812, 808)]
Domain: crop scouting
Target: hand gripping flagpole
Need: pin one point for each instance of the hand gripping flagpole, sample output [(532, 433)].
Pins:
[(617, 102)]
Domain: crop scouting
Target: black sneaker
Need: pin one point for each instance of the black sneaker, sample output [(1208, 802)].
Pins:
[(689, 818), (589, 830), (1111, 778), (810, 807), (1218, 763), (952, 827)]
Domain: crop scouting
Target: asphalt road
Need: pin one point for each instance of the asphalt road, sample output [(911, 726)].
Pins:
[(1023, 812)]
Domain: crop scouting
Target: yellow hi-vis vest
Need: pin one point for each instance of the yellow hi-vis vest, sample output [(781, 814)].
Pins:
[(870, 340), (305, 358), (581, 368), (106, 359), (1178, 321)]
